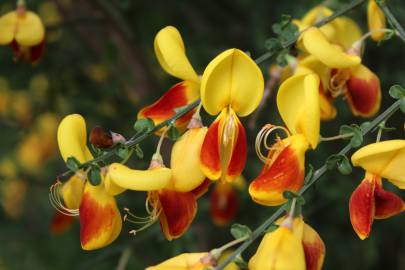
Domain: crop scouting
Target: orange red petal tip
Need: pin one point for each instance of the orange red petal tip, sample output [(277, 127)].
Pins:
[(224, 150), (176, 212), (370, 201), (363, 92), (224, 204), (100, 220), (180, 95), (283, 170)]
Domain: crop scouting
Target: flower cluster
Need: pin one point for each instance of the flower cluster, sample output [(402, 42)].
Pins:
[(327, 66)]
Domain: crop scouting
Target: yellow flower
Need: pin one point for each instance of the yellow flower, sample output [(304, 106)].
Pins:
[(376, 20), (171, 54), (342, 31), (293, 245), (100, 220), (228, 79), (370, 200), (185, 261), (24, 31)]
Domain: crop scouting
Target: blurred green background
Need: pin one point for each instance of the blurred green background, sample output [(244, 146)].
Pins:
[(99, 62)]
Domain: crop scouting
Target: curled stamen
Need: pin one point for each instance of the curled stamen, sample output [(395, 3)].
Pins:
[(145, 221), (56, 202), (262, 138)]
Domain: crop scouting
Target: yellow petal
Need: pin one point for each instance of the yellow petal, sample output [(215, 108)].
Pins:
[(110, 186), (298, 105), (385, 159), (30, 31), (8, 24), (316, 14), (312, 63), (347, 32), (230, 266), (185, 160), (171, 54), (140, 180), (228, 80), (100, 220), (72, 192), (185, 261), (72, 137), (316, 43), (375, 19), (280, 249)]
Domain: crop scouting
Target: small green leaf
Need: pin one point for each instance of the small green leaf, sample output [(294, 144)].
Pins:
[(344, 166), (239, 231), (341, 162), (240, 262), (397, 92), (94, 175), (173, 133), (73, 164), (145, 124), (138, 151), (345, 129), (357, 138), (387, 36), (365, 125), (289, 195), (402, 105), (331, 162), (273, 45), (122, 151)]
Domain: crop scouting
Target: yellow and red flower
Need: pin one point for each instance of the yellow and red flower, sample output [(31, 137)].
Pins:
[(341, 74), (293, 245), (24, 32), (171, 54), (100, 220), (370, 200), (284, 165), (227, 81), (172, 193), (224, 201)]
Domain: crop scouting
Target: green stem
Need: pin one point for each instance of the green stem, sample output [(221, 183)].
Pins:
[(324, 21), (142, 136), (337, 137), (392, 20), (315, 177)]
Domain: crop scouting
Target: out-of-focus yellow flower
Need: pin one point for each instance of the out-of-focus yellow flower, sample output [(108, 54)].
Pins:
[(24, 31), (21, 107), (8, 168), (13, 193), (98, 72), (49, 13), (376, 20), (39, 85)]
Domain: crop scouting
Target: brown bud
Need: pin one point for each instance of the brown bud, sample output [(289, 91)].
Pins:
[(101, 138)]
